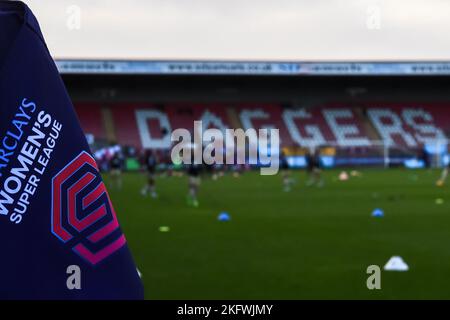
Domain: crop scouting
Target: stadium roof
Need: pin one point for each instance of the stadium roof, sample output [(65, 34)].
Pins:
[(252, 68)]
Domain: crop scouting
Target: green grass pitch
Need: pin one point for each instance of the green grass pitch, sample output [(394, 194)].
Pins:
[(310, 243)]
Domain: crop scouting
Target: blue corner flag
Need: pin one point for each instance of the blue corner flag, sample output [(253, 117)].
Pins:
[(59, 235)]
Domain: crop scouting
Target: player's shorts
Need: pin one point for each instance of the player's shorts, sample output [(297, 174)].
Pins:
[(314, 168), (151, 175), (194, 181), (116, 172), (284, 166)]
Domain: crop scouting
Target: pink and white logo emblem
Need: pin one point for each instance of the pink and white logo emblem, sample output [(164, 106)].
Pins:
[(82, 213)]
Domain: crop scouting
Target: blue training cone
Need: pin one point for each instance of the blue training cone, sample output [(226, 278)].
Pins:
[(377, 213), (224, 216)]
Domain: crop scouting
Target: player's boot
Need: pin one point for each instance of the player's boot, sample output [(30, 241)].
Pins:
[(195, 203)]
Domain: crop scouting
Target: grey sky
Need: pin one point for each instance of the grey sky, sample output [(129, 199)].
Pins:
[(249, 29)]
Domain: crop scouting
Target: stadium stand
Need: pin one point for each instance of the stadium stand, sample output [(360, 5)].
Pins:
[(145, 125), (90, 116), (370, 113)]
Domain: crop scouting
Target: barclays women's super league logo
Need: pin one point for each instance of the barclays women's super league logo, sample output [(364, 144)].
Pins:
[(82, 214)]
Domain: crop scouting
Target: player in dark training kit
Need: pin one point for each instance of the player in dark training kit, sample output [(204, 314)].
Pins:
[(150, 163), (314, 169), (116, 165), (286, 174), (194, 181), (444, 176)]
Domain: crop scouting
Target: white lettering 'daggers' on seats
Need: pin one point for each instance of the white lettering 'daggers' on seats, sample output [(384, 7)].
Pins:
[(347, 135), (142, 118), (315, 135), (388, 130), (414, 127), (425, 132), (210, 120), (329, 125), (246, 117)]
